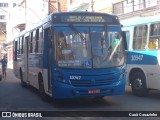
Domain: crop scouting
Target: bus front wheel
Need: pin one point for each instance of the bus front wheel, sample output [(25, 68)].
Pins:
[(41, 89), (138, 84), (21, 77)]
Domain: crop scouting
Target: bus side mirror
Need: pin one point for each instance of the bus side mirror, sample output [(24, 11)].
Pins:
[(126, 52), (125, 40)]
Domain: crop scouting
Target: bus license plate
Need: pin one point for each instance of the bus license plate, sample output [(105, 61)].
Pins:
[(96, 91)]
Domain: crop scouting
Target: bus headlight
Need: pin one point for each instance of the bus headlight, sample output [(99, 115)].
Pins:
[(121, 77), (60, 77), (123, 69), (122, 72)]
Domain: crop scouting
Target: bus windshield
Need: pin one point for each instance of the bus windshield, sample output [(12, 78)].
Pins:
[(88, 47)]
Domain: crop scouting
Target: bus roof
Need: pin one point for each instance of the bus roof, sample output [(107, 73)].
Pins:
[(76, 17), (141, 20), (85, 17)]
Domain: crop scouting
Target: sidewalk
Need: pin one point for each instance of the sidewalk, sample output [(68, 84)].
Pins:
[(10, 65), (10, 75)]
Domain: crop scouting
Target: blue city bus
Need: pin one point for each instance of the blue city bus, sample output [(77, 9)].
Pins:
[(71, 55), (143, 60)]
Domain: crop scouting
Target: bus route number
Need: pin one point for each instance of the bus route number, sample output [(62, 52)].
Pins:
[(136, 57), (75, 77)]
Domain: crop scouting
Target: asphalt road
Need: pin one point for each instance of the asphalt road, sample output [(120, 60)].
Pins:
[(15, 98)]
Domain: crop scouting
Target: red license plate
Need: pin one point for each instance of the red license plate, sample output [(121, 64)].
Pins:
[(96, 91)]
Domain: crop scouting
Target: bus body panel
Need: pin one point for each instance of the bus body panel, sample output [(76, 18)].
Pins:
[(25, 66), (146, 60), (151, 73), (71, 82), (78, 83)]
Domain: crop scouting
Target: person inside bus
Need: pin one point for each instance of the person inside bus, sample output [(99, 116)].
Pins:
[(100, 51), (64, 48), (152, 44), (59, 51), (4, 67)]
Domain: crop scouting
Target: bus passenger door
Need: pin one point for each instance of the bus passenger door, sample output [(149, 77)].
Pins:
[(26, 39), (47, 37), (50, 59)]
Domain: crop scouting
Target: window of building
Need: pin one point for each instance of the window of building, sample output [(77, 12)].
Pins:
[(3, 4), (118, 8), (129, 1), (139, 4), (140, 37), (2, 17), (150, 3), (128, 6), (14, 4)]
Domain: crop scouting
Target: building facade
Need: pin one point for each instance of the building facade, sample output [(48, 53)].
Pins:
[(27, 13), (125, 9), (93, 5), (24, 14), (130, 10), (5, 6)]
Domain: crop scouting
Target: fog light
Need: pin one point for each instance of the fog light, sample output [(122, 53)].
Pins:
[(121, 77)]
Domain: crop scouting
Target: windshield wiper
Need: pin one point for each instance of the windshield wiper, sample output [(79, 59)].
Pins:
[(79, 33)]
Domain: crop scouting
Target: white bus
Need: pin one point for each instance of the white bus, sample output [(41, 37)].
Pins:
[(143, 61)]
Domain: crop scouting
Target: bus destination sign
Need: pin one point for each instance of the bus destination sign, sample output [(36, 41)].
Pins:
[(85, 19)]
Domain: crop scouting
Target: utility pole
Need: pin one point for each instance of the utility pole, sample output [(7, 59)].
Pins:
[(48, 7), (25, 6), (133, 5), (57, 3), (92, 5)]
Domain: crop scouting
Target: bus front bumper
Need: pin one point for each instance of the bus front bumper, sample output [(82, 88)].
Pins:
[(62, 91)]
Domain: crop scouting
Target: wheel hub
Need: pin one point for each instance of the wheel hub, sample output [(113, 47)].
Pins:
[(138, 83)]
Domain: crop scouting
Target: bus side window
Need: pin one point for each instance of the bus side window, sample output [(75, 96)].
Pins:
[(18, 46), (154, 36), (15, 50), (31, 44), (40, 47), (36, 41), (127, 37), (140, 37), (153, 44), (21, 45)]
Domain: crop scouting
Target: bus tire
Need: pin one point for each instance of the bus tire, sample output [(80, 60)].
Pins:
[(41, 88), (99, 97), (138, 84), (23, 84)]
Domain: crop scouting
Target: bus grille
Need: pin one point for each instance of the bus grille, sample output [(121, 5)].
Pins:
[(86, 83)]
